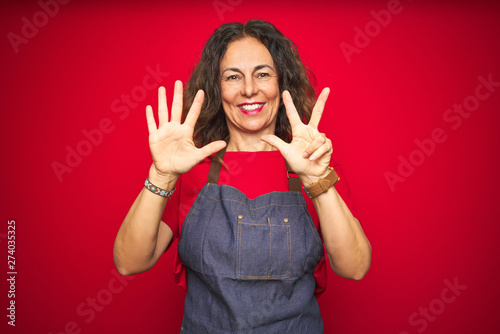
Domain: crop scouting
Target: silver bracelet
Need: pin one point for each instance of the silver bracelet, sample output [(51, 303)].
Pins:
[(158, 191)]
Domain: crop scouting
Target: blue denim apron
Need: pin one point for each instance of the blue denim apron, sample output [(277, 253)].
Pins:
[(250, 262)]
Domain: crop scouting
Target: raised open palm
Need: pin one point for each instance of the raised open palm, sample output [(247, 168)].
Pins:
[(171, 143), (309, 152)]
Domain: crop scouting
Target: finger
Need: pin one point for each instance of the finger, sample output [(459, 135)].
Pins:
[(177, 102), (150, 119), (291, 111), (318, 108), (318, 140), (162, 106), (321, 151), (275, 142), (210, 149), (195, 109)]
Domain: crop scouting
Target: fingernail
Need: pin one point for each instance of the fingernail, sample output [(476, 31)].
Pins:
[(305, 155), (312, 157)]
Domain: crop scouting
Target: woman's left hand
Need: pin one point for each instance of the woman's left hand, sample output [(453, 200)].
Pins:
[(309, 152)]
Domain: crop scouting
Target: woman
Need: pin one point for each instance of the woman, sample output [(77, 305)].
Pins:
[(249, 253)]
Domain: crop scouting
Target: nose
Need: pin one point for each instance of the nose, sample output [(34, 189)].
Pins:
[(249, 87)]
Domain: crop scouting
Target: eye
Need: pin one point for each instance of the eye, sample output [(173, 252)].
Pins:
[(263, 75), (232, 77)]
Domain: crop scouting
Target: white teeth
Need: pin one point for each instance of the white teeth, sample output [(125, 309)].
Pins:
[(251, 107)]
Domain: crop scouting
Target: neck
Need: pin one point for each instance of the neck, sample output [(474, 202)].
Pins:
[(247, 142)]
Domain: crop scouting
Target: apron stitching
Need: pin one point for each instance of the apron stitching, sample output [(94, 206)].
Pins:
[(270, 231), (192, 211), (238, 248), (260, 207), (263, 224), (271, 276), (187, 221), (289, 248), (244, 276), (313, 228)]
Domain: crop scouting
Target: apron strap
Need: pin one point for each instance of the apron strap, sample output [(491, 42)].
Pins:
[(293, 182), (215, 166)]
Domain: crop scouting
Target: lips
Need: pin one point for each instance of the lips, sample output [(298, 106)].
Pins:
[(251, 108)]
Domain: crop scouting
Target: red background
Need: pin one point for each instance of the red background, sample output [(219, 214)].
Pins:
[(440, 224)]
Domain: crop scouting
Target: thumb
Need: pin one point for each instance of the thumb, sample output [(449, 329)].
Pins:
[(210, 149), (275, 142)]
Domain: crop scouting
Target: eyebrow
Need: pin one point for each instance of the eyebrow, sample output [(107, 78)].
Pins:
[(256, 68)]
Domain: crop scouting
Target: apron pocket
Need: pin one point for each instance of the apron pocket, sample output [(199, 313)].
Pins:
[(264, 249)]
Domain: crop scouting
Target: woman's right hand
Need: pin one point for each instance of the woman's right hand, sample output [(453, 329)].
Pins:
[(171, 144)]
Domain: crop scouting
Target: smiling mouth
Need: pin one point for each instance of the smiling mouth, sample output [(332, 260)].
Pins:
[(251, 109)]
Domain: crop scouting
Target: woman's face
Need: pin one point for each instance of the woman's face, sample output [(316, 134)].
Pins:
[(249, 87)]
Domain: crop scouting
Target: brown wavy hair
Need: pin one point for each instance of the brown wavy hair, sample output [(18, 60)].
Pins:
[(293, 76)]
